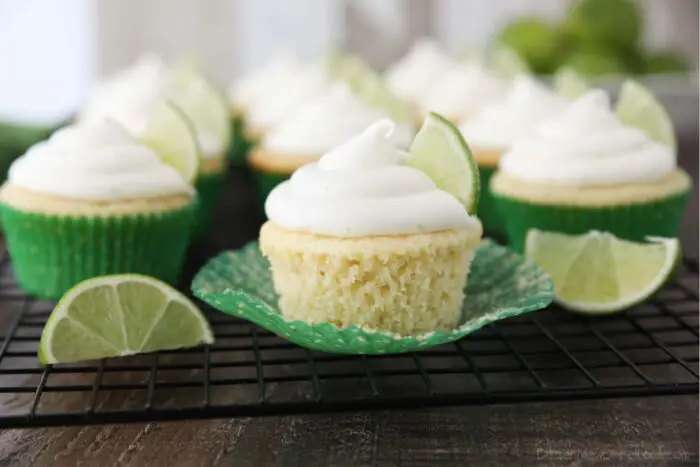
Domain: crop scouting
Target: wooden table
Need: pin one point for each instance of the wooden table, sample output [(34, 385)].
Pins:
[(637, 431)]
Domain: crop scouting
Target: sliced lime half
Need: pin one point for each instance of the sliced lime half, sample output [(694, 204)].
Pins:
[(637, 107), (597, 273), (114, 316), (440, 151)]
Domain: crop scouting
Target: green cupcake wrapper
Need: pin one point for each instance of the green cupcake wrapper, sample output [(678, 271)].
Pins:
[(488, 209), (208, 190), (267, 181), (51, 254), (239, 145), (501, 285), (634, 222)]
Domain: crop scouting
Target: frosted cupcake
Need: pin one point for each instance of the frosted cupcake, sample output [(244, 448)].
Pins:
[(89, 201), (357, 238), (306, 135), (463, 91), (412, 77), (493, 130), (586, 170), (131, 96)]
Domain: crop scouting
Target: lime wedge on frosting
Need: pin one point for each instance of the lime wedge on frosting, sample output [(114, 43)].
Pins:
[(171, 135), (507, 63), (113, 316), (440, 151), (569, 84), (637, 107), (597, 273)]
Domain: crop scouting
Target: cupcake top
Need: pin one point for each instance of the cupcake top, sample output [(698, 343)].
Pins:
[(360, 189), (588, 145), (526, 105), (463, 91), (252, 89), (417, 72), (95, 160), (282, 100), (327, 122), (130, 96)]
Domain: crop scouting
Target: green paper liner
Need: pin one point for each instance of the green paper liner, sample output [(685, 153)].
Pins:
[(239, 145), (487, 211), (51, 254), (266, 181), (501, 284), (208, 190), (634, 222), (15, 139)]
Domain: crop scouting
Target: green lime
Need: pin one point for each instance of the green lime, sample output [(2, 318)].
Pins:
[(171, 135), (205, 105), (637, 107), (617, 23), (595, 64), (666, 62), (569, 84), (114, 316), (440, 151), (598, 273), (507, 63), (537, 42)]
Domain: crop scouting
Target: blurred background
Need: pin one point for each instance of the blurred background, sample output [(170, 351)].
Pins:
[(52, 52)]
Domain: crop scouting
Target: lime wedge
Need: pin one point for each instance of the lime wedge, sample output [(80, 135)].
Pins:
[(569, 84), (637, 107), (597, 273), (506, 63), (114, 316), (205, 105), (440, 151), (171, 135)]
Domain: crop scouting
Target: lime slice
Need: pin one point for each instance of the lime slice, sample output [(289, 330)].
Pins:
[(598, 273), (507, 63), (171, 135), (205, 105), (114, 316), (440, 151), (569, 84), (637, 107)]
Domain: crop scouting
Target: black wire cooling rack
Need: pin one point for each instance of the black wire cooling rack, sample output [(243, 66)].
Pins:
[(546, 356)]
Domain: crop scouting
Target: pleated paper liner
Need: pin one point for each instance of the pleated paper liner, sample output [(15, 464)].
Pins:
[(632, 222), (51, 254), (501, 285), (208, 188), (488, 210), (267, 181)]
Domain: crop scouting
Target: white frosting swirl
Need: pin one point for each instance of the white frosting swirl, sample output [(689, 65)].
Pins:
[(588, 145), (361, 189), (463, 91), (253, 88), (327, 122), (131, 95), (282, 100), (412, 76), (499, 125), (95, 160)]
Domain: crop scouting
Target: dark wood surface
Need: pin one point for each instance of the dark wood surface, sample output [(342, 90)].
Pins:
[(653, 431)]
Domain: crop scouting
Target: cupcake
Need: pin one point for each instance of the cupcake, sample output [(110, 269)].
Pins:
[(315, 129), (357, 238), (131, 96), (463, 91), (493, 130), (89, 201), (585, 170), (412, 77)]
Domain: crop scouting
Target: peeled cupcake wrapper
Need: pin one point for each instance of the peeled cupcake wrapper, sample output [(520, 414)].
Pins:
[(208, 189), (632, 222), (501, 284), (51, 254)]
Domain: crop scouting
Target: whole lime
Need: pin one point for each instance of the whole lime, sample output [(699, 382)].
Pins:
[(666, 62), (595, 64), (536, 41), (614, 22)]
